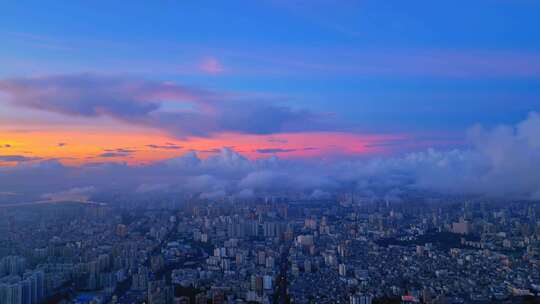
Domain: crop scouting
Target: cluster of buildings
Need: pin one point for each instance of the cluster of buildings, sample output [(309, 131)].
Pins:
[(18, 285), (271, 250)]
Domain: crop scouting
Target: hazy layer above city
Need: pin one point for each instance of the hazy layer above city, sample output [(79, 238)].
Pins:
[(499, 162)]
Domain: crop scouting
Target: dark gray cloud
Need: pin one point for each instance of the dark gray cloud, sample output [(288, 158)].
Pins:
[(275, 150), (213, 150), (17, 158), (136, 101), (118, 152), (281, 150), (121, 150), (167, 146), (83, 95), (277, 140), (112, 154)]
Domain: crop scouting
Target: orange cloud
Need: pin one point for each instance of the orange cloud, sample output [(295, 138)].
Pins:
[(139, 146)]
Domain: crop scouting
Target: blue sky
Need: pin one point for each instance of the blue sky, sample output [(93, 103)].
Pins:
[(420, 68)]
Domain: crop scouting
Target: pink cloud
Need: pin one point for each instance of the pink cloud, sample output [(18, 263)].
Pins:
[(211, 65)]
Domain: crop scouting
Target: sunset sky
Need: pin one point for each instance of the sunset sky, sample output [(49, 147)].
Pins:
[(141, 81)]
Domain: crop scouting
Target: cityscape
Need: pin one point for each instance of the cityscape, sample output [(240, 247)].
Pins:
[(269, 152), (272, 250)]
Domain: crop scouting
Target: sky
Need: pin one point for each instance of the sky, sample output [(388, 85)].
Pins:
[(142, 83)]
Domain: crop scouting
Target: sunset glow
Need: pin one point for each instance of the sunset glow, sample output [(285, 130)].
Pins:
[(84, 146), (303, 81)]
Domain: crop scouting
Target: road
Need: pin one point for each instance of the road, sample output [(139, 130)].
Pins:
[(281, 296)]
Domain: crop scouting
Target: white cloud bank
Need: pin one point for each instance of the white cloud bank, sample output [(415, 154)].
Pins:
[(501, 162)]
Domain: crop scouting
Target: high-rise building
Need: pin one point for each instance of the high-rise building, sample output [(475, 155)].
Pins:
[(121, 230), (267, 282), (461, 227), (12, 265), (11, 292), (361, 299), (342, 269)]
